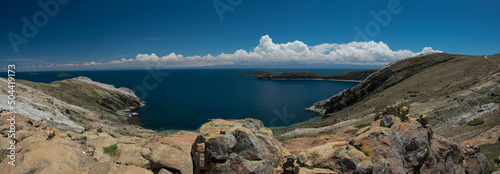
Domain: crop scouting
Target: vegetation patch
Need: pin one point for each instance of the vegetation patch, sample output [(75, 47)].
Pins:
[(366, 130), (377, 115), (491, 152), (362, 126), (51, 135), (111, 150), (475, 122), (278, 164), (394, 110), (248, 159)]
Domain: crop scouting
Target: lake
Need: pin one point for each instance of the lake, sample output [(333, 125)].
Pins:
[(184, 99)]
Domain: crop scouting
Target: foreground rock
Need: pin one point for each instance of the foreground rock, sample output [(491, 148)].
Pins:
[(239, 146), (403, 147), (236, 146), (171, 152), (44, 149)]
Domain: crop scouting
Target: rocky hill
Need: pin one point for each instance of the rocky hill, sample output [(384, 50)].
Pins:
[(459, 93), (75, 104)]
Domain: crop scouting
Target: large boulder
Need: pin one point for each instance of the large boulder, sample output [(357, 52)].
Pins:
[(131, 154), (51, 157), (171, 152), (236, 146), (101, 140)]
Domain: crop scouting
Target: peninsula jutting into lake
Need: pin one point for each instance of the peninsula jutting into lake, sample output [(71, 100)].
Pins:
[(355, 76)]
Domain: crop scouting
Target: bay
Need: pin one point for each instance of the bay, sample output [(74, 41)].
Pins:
[(187, 98)]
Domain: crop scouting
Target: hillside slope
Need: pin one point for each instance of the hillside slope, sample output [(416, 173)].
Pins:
[(459, 93), (451, 89)]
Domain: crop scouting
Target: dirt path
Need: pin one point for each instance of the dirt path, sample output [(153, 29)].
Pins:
[(486, 57)]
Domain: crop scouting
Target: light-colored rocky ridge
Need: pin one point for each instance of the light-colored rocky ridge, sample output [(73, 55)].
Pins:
[(75, 104)]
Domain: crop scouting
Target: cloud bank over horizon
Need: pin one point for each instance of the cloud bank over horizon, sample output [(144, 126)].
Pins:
[(265, 53)]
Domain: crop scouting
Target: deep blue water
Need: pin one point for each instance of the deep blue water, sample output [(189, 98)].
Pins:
[(187, 98)]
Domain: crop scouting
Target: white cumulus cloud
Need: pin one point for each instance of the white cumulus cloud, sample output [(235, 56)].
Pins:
[(374, 53)]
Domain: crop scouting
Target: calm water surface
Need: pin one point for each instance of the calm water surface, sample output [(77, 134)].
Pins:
[(187, 98)]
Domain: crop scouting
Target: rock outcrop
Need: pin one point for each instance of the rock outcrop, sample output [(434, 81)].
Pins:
[(37, 151), (236, 146), (42, 148), (403, 147), (76, 104), (172, 152)]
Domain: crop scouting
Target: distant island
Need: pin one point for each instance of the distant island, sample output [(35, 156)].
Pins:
[(63, 75), (355, 76)]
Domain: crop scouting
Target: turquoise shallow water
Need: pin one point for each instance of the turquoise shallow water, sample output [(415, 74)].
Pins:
[(186, 98)]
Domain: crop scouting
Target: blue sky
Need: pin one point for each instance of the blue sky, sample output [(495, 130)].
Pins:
[(140, 33)]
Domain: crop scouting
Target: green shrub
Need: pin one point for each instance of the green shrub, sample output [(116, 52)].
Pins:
[(475, 122), (394, 110), (366, 130), (413, 95), (362, 126), (51, 135), (278, 164), (99, 130), (84, 138), (111, 150)]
